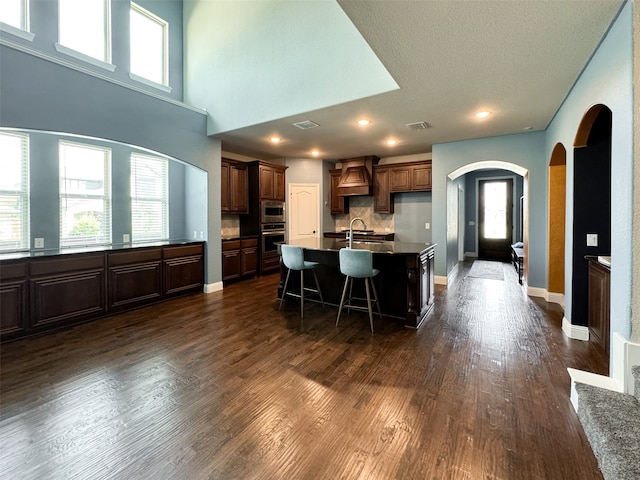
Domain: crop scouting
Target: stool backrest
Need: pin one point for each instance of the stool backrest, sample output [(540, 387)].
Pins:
[(292, 256), (356, 263)]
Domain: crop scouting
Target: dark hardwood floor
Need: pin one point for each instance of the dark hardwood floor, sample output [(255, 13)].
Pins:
[(224, 386)]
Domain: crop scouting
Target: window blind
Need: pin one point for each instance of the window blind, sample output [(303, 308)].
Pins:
[(85, 195), (14, 191), (149, 198)]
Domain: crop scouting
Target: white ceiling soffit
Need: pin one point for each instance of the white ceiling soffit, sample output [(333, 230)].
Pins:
[(250, 62), (291, 61)]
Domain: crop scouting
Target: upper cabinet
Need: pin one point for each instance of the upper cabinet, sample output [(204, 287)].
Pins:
[(410, 177), (382, 200), (272, 182), (339, 204), (234, 187)]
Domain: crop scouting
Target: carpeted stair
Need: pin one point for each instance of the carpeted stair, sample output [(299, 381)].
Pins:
[(611, 421)]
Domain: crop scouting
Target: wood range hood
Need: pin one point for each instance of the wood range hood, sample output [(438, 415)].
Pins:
[(356, 177)]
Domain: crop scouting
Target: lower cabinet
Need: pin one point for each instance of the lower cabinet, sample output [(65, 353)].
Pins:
[(44, 293), (599, 304), (239, 258)]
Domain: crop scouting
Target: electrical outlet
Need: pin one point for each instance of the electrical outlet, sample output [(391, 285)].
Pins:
[(38, 243), (201, 235), (471, 223), (592, 239), (195, 234), (427, 226), (125, 238)]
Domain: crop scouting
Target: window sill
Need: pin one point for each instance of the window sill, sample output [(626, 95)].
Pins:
[(17, 32), (85, 58), (150, 83)]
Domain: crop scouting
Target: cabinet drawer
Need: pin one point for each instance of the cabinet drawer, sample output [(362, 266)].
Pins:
[(134, 257), (183, 251), (11, 271), (249, 242), (228, 245), (66, 264)]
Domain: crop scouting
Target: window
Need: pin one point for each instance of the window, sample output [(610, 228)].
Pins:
[(15, 13), (84, 27), (85, 195), (149, 198), (14, 191), (148, 41)]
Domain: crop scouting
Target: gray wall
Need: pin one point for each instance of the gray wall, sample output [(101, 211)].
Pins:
[(41, 90), (412, 211)]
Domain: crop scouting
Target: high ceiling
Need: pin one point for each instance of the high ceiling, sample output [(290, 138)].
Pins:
[(437, 62)]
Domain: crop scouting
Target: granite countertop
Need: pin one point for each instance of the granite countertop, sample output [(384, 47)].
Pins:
[(91, 249), (333, 244), (225, 238)]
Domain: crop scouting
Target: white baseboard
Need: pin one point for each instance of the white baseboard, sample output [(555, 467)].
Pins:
[(556, 298), (212, 287), (577, 332), (536, 292), (471, 254), (589, 378), (440, 280)]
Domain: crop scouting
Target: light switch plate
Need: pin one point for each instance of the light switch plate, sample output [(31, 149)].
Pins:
[(427, 226), (38, 243), (592, 239)]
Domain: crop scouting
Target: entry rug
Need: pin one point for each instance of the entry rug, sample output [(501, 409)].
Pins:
[(485, 269)]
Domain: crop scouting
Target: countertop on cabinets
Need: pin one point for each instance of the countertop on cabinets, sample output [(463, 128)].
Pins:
[(335, 244)]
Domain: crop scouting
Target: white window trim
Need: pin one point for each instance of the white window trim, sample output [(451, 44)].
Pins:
[(165, 49), (106, 197), (150, 83), (17, 32), (107, 65), (25, 194)]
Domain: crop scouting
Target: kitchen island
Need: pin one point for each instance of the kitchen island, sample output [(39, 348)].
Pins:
[(405, 284)]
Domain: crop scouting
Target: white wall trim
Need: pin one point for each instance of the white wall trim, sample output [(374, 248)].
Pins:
[(85, 58), (17, 32), (556, 298), (213, 287), (440, 280), (537, 292), (577, 332), (589, 378), (79, 68), (471, 254)]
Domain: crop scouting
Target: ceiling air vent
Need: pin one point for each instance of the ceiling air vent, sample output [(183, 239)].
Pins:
[(306, 125), (418, 126)]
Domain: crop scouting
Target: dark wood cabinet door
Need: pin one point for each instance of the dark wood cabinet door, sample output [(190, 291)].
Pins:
[(382, 200), (599, 305), (183, 269), (421, 178), (14, 299), (224, 188), (400, 179), (249, 261), (278, 185), (238, 189), (339, 205), (231, 264), (266, 183)]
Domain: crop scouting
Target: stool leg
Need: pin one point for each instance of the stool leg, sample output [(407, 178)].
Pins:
[(366, 285), (284, 290), (375, 295), (301, 295), (318, 287), (344, 293), (350, 296)]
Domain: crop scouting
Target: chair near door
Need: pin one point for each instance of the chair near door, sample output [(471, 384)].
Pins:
[(293, 259), (358, 264)]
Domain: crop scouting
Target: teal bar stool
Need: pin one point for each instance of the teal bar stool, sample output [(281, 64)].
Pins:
[(358, 264), (293, 259)]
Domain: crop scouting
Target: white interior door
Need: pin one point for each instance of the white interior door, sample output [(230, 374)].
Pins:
[(304, 219)]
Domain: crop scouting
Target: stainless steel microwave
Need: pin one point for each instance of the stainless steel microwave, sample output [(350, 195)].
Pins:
[(272, 211)]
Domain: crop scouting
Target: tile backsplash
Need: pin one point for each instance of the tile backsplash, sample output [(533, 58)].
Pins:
[(230, 226), (362, 207)]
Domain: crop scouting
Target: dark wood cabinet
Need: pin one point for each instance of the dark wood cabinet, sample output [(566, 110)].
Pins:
[(14, 298), (183, 269), (338, 204), (272, 182), (382, 200), (410, 177), (38, 294), (239, 258), (234, 187), (599, 304), (66, 290)]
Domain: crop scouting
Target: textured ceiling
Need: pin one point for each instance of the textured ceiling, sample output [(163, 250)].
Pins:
[(517, 59)]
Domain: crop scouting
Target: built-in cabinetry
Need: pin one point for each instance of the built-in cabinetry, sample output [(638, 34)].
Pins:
[(239, 258), (38, 294), (234, 187), (271, 182), (338, 204), (396, 178), (599, 303)]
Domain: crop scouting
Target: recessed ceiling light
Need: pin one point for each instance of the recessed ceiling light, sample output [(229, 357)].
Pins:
[(391, 141), (315, 153), (484, 114), (275, 139), (526, 129), (364, 122)]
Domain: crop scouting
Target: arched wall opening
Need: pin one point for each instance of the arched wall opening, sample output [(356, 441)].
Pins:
[(591, 213), (492, 165), (556, 220)]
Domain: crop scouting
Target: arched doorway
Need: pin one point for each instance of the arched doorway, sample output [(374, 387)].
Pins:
[(591, 209), (556, 217)]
